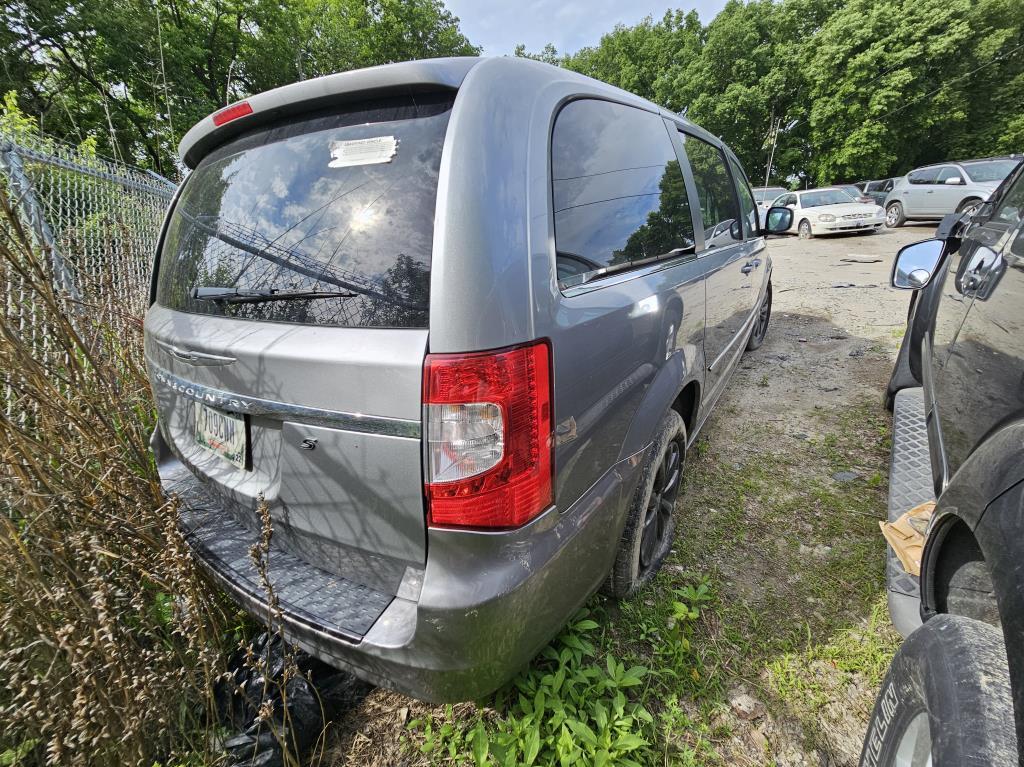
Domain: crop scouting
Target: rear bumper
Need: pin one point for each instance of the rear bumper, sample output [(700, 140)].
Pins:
[(485, 604)]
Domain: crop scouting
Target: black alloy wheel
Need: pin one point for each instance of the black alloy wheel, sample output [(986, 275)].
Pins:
[(659, 508)]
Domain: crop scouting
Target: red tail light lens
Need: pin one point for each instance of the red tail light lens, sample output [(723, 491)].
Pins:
[(233, 112), (488, 432)]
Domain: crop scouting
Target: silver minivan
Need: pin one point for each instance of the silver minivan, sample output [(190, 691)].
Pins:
[(452, 326)]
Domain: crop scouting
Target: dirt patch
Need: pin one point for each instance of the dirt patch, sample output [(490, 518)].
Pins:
[(781, 505)]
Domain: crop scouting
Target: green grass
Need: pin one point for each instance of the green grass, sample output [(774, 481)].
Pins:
[(748, 597)]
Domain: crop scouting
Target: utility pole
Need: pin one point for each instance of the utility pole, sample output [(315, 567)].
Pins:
[(773, 137)]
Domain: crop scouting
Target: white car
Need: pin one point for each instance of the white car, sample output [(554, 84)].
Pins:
[(829, 211)]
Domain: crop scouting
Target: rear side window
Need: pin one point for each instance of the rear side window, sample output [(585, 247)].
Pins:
[(335, 202), (619, 196), (718, 208)]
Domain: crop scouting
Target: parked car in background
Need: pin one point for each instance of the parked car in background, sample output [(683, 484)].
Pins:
[(879, 190), (829, 210), (763, 196), (452, 326), (954, 693), (931, 192), (855, 192)]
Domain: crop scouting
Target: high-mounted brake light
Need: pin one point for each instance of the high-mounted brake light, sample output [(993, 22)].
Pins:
[(233, 112), (488, 431)]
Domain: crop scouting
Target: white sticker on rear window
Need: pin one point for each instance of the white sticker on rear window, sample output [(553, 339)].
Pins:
[(362, 151)]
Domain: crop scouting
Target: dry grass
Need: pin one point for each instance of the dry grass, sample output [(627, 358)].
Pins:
[(109, 637)]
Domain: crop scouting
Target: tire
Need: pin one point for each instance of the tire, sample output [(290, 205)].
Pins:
[(969, 206), (894, 216), (637, 560), (764, 316), (804, 231), (947, 697)]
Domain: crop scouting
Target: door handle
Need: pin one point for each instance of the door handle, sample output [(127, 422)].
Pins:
[(748, 268)]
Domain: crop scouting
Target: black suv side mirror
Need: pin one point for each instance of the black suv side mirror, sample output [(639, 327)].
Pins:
[(778, 220), (915, 264)]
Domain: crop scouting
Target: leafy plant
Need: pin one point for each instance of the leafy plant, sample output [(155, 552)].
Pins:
[(568, 708)]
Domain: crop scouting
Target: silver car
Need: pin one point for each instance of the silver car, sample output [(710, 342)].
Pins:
[(929, 193), (449, 327)]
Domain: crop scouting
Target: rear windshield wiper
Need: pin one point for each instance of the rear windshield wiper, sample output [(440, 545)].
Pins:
[(242, 296)]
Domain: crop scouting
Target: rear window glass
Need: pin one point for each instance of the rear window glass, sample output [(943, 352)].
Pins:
[(339, 203)]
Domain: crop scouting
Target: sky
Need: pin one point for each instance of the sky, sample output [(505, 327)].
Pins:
[(498, 25)]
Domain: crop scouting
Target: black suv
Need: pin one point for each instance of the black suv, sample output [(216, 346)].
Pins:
[(954, 694)]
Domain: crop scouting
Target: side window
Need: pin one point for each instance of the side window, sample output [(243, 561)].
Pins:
[(619, 195), (786, 200), (718, 209), (948, 172), (747, 205), (923, 176)]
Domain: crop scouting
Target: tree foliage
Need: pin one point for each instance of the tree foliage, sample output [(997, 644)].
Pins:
[(138, 73), (860, 89)]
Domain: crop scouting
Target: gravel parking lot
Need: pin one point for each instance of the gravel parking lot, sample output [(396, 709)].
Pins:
[(779, 516), (803, 434)]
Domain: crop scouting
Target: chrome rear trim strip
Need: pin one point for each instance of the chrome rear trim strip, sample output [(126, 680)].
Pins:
[(237, 403)]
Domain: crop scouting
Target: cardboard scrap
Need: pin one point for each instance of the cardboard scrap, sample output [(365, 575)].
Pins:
[(907, 535)]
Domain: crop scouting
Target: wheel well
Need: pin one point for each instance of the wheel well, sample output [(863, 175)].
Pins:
[(960, 579), (966, 200), (686, 405)]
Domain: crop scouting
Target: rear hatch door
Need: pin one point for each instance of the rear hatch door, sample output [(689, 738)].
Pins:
[(286, 342)]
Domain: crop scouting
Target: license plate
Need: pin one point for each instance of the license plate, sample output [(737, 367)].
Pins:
[(221, 433)]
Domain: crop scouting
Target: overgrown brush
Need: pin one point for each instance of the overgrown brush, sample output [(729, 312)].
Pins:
[(109, 637)]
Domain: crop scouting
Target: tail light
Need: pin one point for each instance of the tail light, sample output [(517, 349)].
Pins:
[(488, 433)]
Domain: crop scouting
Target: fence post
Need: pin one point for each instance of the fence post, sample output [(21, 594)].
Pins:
[(32, 212)]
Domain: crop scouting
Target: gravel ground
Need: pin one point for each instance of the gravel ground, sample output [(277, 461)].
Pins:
[(807, 410)]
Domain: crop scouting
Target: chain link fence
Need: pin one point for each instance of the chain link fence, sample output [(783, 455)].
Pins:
[(95, 219), (94, 223)]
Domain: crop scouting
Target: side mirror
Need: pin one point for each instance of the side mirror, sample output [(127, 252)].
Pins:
[(915, 264), (778, 220), (954, 181)]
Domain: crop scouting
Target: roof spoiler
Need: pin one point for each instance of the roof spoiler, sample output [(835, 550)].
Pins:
[(390, 79)]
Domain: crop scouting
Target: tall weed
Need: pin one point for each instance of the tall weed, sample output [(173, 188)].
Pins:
[(109, 637)]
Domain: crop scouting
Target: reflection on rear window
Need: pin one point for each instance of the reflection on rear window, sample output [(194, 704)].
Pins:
[(299, 206)]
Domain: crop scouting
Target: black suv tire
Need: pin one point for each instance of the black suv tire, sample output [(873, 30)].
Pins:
[(950, 678), (651, 510)]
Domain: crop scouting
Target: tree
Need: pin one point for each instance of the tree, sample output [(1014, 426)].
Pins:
[(865, 88), (136, 74)]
